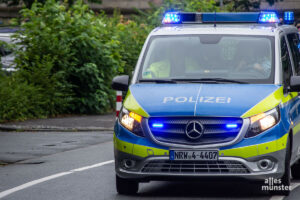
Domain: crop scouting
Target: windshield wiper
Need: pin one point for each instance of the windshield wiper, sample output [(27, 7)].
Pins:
[(214, 80), (201, 80), (157, 80)]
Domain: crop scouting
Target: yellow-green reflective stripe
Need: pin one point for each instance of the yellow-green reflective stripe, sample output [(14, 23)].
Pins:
[(131, 104), (138, 150), (144, 151), (281, 142), (122, 145), (270, 102), (243, 152), (255, 150), (267, 103), (289, 97), (296, 129)]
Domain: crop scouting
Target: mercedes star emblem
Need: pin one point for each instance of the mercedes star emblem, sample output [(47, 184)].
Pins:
[(194, 130)]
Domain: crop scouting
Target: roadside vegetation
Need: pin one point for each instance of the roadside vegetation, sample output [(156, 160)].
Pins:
[(70, 54)]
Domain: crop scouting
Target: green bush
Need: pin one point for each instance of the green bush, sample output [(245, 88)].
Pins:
[(80, 48), (68, 58), (14, 104), (130, 35), (41, 97)]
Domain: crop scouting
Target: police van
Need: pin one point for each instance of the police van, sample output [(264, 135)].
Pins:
[(213, 95)]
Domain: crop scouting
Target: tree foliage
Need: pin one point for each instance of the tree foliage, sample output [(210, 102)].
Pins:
[(28, 3), (272, 2), (68, 58), (246, 5), (81, 49)]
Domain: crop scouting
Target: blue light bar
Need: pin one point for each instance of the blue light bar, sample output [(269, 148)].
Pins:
[(218, 17), (240, 17), (289, 17), (268, 17), (231, 125), (157, 125), (171, 18)]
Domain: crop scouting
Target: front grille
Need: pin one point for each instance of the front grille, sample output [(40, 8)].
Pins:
[(195, 167), (215, 130)]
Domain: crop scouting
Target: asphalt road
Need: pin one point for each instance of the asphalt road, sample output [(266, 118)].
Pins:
[(79, 166)]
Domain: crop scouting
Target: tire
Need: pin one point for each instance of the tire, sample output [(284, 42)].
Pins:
[(286, 178), (126, 186), (296, 170)]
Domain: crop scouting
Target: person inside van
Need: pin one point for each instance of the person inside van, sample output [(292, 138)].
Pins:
[(171, 61), (254, 56)]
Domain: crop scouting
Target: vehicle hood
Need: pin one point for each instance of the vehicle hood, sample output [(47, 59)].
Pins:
[(198, 99)]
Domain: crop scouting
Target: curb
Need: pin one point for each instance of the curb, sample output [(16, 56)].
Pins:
[(51, 128)]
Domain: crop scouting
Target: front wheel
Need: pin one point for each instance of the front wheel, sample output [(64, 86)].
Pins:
[(296, 170), (126, 186)]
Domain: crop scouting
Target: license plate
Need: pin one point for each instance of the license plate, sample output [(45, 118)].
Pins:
[(194, 155)]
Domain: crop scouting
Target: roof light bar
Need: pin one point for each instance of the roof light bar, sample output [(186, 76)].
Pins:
[(171, 18), (268, 17), (239, 17), (289, 17), (246, 17)]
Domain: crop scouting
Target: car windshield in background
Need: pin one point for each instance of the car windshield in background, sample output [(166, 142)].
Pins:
[(209, 58)]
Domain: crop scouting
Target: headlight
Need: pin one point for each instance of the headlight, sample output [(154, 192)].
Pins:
[(262, 122), (131, 121)]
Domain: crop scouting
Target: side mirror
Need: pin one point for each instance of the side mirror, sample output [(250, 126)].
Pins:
[(295, 84), (120, 83)]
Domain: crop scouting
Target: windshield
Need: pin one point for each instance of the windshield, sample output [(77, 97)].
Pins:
[(247, 59)]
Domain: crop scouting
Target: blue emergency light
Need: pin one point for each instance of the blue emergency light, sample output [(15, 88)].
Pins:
[(268, 17), (171, 18), (289, 17), (230, 126), (157, 125), (239, 17)]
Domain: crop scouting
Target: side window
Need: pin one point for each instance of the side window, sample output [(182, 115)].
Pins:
[(294, 45), (286, 63)]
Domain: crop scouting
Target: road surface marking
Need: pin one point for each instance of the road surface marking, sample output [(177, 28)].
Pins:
[(47, 178), (276, 197)]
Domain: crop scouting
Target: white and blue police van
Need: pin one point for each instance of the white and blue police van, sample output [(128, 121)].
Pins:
[(213, 95)]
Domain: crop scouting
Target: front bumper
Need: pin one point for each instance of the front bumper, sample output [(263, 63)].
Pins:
[(245, 152), (250, 171)]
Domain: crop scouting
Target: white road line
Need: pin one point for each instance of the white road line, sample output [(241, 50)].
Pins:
[(294, 186), (276, 197), (47, 178)]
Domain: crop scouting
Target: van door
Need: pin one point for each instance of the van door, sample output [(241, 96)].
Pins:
[(293, 43)]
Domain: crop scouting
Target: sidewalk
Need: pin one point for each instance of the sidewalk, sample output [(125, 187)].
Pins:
[(74, 123)]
